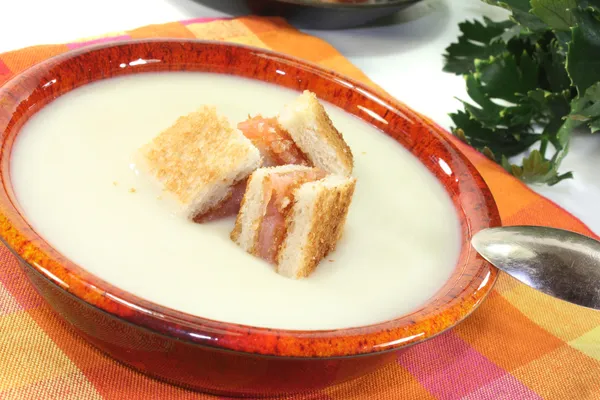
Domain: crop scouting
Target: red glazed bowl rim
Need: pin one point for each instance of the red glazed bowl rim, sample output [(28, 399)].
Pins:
[(472, 280)]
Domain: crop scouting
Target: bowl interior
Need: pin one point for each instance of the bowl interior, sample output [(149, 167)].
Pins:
[(471, 280)]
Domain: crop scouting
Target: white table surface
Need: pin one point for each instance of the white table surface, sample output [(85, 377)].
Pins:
[(404, 56)]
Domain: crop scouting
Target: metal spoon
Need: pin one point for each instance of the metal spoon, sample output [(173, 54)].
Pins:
[(560, 263)]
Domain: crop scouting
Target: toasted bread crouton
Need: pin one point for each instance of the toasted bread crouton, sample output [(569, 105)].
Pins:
[(315, 224), (312, 210), (199, 159), (310, 127)]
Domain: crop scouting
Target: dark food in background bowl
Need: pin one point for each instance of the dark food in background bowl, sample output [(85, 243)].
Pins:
[(221, 357), (329, 14)]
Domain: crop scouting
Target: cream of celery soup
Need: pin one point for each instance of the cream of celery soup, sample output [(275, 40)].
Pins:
[(76, 181)]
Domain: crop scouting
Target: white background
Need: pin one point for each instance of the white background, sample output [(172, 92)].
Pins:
[(403, 55)]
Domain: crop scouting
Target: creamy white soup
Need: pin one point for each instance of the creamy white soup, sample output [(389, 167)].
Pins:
[(74, 177)]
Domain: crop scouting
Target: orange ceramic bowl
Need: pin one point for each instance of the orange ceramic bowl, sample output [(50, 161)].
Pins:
[(221, 357)]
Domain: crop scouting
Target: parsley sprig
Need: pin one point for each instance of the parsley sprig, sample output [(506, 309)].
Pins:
[(532, 80)]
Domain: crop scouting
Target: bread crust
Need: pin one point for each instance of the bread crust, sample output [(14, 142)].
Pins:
[(329, 211)]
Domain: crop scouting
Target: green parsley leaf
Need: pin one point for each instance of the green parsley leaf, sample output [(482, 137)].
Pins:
[(583, 61), (593, 4), (595, 125), (531, 83), (587, 109), (504, 77), (589, 105), (521, 13), (503, 141), (476, 42), (535, 169), (555, 13), (552, 60)]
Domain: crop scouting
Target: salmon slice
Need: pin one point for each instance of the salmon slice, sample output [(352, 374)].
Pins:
[(275, 144), (276, 147), (279, 195), (227, 208)]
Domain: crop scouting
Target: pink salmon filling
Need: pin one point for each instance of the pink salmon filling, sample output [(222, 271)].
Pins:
[(276, 147), (279, 196), (275, 144)]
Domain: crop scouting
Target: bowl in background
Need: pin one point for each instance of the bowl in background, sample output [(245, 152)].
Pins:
[(213, 356), (325, 15)]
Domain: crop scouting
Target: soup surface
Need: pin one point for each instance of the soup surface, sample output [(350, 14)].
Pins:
[(75, 179)]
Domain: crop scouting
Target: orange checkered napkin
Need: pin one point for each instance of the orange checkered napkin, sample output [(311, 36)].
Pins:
[(518, 345)]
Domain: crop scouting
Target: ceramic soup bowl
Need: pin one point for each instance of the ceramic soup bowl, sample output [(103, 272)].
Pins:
[(214, 356)]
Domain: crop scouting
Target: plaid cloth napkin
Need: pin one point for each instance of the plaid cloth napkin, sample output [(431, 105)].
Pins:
[(518, 345)]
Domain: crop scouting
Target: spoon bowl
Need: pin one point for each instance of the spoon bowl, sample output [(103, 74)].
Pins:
[(560, 263)]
